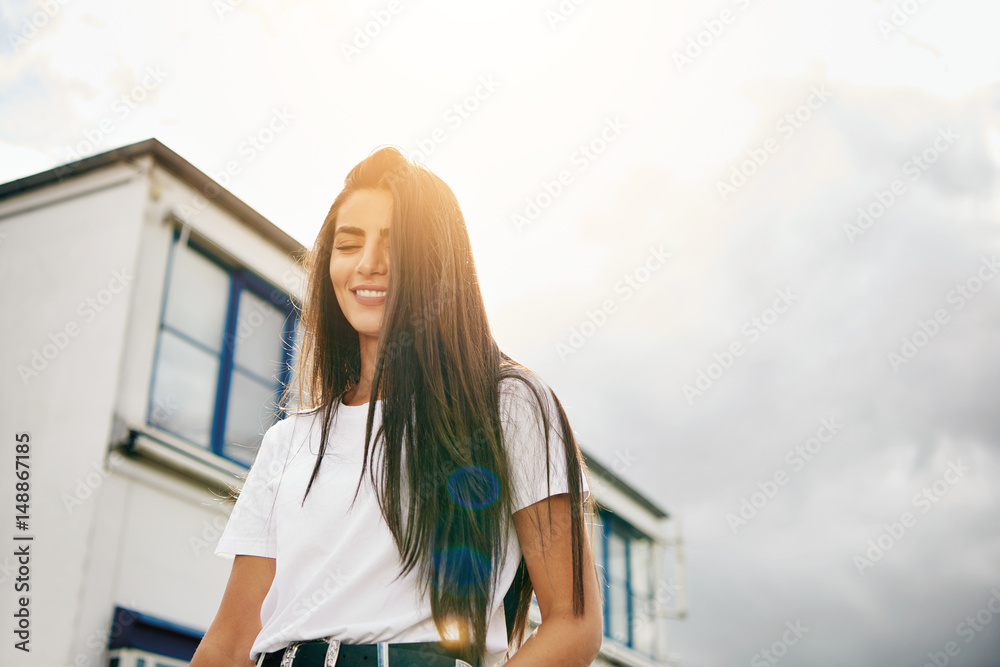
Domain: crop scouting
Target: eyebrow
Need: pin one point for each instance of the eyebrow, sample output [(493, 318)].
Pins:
[(357, 231)]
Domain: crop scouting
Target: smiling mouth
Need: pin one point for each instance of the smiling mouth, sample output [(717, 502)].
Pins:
[(370, 293)]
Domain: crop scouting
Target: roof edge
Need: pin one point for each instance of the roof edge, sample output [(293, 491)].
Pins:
[(621, 485), (173, 163)]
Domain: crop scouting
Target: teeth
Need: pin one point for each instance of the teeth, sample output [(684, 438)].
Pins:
[(369, 292)]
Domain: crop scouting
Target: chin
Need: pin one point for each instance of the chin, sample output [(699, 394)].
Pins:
[(368, 328)]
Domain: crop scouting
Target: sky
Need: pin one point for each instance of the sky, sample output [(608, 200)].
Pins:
[(750, 244)]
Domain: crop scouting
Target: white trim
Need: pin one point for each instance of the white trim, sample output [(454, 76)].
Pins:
[(73, 187), (186, 458), (128, 657)]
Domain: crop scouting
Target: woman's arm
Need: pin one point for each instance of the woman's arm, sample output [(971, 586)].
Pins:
[(237, 623), (562, 639)]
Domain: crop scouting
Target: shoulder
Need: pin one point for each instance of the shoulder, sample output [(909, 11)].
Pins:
[(522, 384), (526, 398), (293, 426), (290, 420)]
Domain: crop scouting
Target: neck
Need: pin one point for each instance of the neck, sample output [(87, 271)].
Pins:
[(363, 389)]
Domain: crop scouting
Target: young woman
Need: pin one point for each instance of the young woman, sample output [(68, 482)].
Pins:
[(422, 545)]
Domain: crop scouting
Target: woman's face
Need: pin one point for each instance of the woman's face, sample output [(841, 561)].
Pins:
[(359, 259)]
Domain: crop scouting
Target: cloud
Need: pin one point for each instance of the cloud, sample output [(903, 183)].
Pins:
[(784, 228), (827, 355)]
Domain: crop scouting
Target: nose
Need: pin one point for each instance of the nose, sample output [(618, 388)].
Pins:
[(374, 259)]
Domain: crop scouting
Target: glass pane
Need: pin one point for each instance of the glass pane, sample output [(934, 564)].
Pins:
[(184, 390), (258, 337), (617, 595), (641, 565), (616, 557), (643, 607), (250, 411), (294, 364), (618, 613), (198, 297)]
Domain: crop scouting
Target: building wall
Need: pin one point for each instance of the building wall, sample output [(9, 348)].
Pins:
[(154, 544), (62, 245)]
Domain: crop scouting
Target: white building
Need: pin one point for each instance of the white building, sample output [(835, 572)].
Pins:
[(149, 313)]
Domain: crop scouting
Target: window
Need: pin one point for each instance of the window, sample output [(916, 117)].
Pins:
[(625, 558), (227, 346)]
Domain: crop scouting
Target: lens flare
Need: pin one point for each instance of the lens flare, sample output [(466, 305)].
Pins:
[(474, 487), (461, 569)]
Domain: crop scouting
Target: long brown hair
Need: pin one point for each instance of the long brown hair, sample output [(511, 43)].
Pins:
[(438, 371)]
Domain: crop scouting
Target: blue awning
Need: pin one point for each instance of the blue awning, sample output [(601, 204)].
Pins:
[(131, 629)]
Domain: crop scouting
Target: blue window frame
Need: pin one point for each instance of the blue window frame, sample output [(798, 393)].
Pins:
[(226, 349), (626, 557)]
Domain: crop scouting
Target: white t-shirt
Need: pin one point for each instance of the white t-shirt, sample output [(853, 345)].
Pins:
[(334, 568)]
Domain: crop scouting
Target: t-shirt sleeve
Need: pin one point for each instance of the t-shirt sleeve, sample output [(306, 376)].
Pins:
[(524, 439), (251, 529)]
